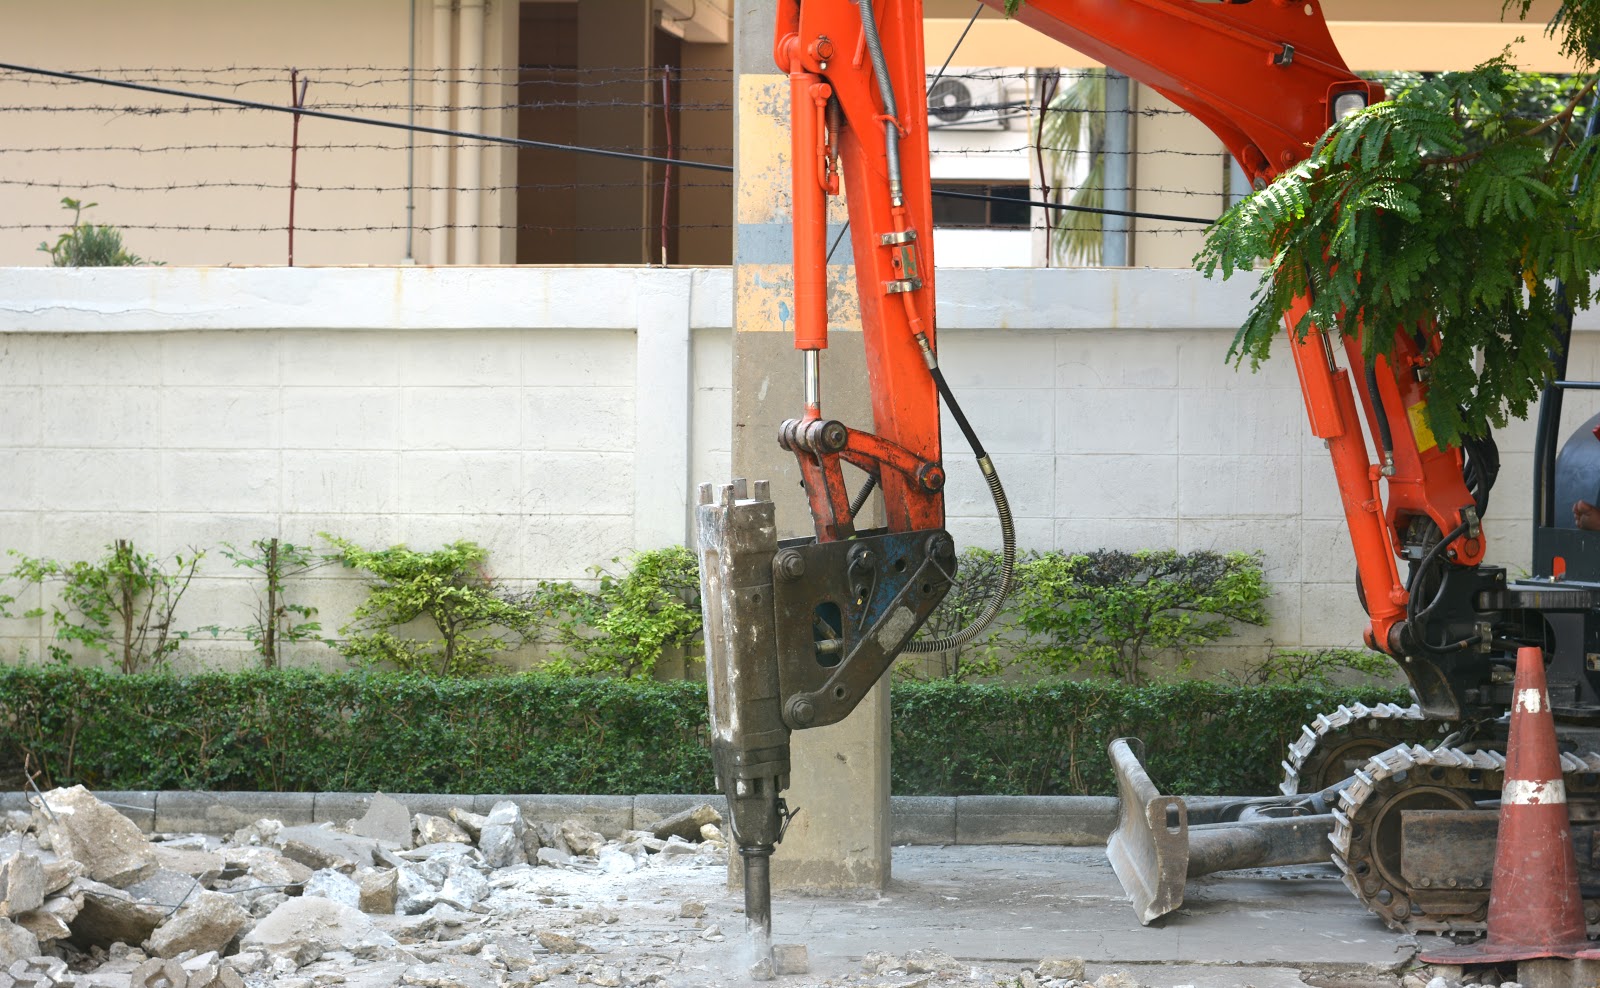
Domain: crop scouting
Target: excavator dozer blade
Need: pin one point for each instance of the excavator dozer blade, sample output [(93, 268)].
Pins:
[(1149, 850)]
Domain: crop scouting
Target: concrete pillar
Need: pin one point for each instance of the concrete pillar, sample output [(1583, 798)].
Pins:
[(841, 773), (613, 198)]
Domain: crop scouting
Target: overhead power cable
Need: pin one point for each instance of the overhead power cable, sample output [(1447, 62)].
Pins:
[(245, 104)]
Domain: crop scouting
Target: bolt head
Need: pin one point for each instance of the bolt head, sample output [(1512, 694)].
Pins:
[(801, 711), (790, 565), (835, 436)]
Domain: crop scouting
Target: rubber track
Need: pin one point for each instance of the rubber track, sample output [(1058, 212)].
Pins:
[(1476, 772), (1316, 733)]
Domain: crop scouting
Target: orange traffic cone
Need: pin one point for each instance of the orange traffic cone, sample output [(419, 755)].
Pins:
[(1535, 906)]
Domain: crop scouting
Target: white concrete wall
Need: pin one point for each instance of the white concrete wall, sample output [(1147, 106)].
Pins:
[(561, 416)]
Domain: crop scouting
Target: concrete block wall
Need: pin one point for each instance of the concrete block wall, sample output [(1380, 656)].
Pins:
[(561, 416)]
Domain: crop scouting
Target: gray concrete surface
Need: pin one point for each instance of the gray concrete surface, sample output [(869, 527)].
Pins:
[(1008, 907)]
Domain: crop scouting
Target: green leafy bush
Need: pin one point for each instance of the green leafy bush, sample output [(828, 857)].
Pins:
[(622, 626), (448, 588), (297, 730), (1113, 611), (86, 245), (121, 606), (1050, 738)]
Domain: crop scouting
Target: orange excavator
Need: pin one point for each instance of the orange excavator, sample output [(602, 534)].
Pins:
[(799, 630)]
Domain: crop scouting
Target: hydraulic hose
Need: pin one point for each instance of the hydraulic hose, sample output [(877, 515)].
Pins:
[(1008, 533), (891, 126)]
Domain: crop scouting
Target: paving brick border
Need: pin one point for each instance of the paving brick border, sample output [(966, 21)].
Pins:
[(1055, 820)]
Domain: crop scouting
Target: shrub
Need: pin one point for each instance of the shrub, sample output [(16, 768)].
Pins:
[(1113, 611), (120, 606), (449, 588), (86, 245), (364, 731), (1316, 666), (621, 627), (277, 619)]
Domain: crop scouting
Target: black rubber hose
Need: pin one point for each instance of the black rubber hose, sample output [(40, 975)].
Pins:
[(1008, 533)]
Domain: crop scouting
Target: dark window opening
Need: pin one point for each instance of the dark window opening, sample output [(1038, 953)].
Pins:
[(1013, 213)]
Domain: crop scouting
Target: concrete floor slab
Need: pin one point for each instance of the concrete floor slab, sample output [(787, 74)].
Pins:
[(1009, 907)]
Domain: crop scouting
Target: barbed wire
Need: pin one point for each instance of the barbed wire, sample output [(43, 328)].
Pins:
[(575, 89)]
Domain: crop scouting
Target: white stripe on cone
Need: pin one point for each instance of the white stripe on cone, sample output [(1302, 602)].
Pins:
[(1531, 701), (1527, 792)]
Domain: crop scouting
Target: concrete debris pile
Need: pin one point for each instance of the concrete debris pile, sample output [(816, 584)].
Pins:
[(459, 901)]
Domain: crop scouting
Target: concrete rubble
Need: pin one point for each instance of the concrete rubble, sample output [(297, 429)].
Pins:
[(453, 900)]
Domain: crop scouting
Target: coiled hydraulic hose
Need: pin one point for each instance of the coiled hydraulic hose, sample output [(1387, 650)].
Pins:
[(1008, 532)]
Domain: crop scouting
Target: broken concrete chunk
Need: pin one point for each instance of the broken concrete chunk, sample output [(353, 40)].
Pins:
[(304, 929), (16, 944), (414, 894), (553, 857), (470, 822), (208, 921), (580, 839), (930, 961), (59, 872), (1117, 979), (107, 843), (438, 830), (550, 836), (464, 887), (323, 847), (212, 974), (22, 884), (110, 915), (387, 819), (878, 962), (790, 958), (501, 836), (1061, 968), (687, 824), (380, 891), (691, 909), (203, 866), (40, 972), (160, 972), (560, 943), (166, 888), (616, 861), (53, 921), (266, 866), (712, 834), (263, 831), (330, 884)]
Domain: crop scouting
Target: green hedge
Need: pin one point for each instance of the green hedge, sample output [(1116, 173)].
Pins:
[(288, 730)]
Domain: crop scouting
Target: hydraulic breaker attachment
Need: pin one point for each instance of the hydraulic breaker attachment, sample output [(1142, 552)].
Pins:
[(738, 537), (1155, 850), (797, 632)]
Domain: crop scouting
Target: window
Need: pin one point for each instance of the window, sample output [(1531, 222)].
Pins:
[(1013, 213)]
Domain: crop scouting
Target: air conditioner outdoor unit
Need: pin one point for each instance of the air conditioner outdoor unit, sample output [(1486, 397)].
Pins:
[(974, 103)]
